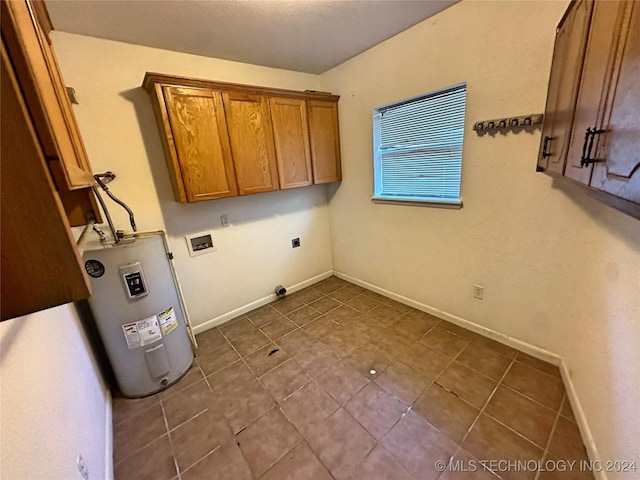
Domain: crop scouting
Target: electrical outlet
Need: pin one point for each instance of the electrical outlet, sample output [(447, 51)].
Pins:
[(224, 220), (82, 467), (478, 292), (295, 243)]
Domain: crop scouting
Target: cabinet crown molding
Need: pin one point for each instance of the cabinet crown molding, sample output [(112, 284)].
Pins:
[(152, 78)]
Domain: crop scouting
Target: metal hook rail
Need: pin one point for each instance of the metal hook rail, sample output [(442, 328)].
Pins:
[(508, 123)]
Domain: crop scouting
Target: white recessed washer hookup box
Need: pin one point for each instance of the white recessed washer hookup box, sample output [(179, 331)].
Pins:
[(200, 243)]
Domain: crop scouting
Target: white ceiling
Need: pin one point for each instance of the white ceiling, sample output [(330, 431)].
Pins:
[(302, 35)]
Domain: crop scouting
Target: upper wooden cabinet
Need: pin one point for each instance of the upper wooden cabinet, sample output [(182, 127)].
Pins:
[(227, 139), (325, 141), (591, 132), (291, 135), (251, 137), (568, 55), (25, 27), (41, 265), (197, 128), (617, 167)]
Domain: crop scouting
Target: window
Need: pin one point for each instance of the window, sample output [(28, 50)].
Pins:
[(417, 145)]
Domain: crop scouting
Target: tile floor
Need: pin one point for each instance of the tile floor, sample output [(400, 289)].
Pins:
[(338, 382)]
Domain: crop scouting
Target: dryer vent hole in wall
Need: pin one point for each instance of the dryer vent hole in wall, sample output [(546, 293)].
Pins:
[(295, 243)]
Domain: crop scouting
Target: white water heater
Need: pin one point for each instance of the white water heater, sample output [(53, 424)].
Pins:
[(138, 313)]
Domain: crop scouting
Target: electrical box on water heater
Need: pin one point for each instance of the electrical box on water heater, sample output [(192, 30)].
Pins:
[(138, 313)]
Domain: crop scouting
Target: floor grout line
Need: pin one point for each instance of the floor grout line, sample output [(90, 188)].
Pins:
[(553, 430), (173, 450), (475, 421), (200, 460)]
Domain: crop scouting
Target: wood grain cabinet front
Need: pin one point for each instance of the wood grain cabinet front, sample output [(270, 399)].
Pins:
[(201, 155), (291, 137), (568, 54), (591, 133), (616, 167), (224, 139), (251, 137), (325, 141), (25, 27), (41, 265)]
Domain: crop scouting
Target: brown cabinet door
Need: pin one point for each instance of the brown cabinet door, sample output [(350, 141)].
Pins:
[(618, 171), (325, 141), (198, 128), (41, 266), (291, 138), (566, 67), (46, 96), (251, 137), (596, 75)]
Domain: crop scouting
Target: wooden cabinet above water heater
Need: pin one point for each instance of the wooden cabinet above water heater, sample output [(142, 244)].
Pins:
[(46, 175), (224, 140)]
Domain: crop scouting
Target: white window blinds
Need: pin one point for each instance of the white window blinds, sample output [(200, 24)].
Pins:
[(418, 148)]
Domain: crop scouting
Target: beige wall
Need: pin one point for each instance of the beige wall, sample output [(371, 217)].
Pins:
[(117, 124), (560, 270), (53, 404)]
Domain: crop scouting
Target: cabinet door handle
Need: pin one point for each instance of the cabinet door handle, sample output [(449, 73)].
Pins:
[(545, 146), (587, 147)]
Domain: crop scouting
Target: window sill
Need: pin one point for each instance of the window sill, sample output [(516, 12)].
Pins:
[(455, 205)]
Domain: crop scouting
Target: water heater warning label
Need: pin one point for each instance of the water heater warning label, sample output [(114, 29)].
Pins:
[(168, 320), (141, 333)]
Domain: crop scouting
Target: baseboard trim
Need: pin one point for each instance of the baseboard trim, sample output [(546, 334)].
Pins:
[(581, 420), (221, 319), (108, 436), (519, 345)]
